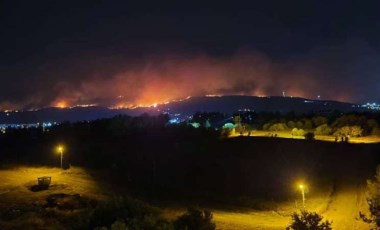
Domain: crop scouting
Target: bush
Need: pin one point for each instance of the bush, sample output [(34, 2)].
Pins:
[(309, 136), (353, 131), (134, 214), (266, 126), (294, 131), (195, 219), (376, 131), (372, 123), (226, 132), (319, 120), (373, 201), (117, 225), (374, 209), (291, 124), (128, 213), (308, 221), (298, 132), (278, 127), (356, 131), (299, 124), (307, 124), (324, 129)]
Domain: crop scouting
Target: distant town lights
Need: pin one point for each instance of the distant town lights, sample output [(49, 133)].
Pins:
[(372, 106)]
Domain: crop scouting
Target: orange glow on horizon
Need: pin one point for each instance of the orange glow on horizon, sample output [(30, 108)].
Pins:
[(129, 105), (61, 104), (160, 79)]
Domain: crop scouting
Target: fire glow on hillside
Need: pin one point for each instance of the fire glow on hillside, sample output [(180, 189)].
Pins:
[(161, 80)]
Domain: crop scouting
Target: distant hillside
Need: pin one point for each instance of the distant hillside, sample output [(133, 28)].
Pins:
[(225, 104), (58, 115), (229, 104)]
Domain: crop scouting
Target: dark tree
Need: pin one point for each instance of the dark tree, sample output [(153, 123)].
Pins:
[(309, 136), (373, 200), (308, 221), (195, 219)]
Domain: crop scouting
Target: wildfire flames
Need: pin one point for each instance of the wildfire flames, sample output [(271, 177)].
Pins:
[(164, 79)]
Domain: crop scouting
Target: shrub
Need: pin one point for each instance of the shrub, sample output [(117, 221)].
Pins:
[(356, 131), (307, 124), (372, 123), (226, 132), (278, 127), (239, 128), (294, 131), (119, 225), (134, 214), (324, 129), (195, 219), (374, 209), (299, 124), (319, 120), (266, 126), (309, 136), (291, 124), (353, 131), (376, 131), (298, 132), (308, 221), (373, 201)]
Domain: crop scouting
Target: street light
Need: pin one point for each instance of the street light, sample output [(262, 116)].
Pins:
[(302, 188), (60, 151)]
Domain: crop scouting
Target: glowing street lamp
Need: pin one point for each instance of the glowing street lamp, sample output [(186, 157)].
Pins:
[(60, 151), (302, 188)]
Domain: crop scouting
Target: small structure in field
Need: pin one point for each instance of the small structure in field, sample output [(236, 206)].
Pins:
[(44, 181)]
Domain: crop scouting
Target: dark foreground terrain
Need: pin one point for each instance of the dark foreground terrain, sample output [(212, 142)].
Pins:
[(246, 181)]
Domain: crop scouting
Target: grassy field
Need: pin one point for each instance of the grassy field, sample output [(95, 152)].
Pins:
[(22, 208), (288, 134), (276, 217), (20, 205), (342, 207)]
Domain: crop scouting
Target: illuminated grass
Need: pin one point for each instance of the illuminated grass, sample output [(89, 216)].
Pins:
[(15, 182), (341, 207), (288, 135), (16, 196)]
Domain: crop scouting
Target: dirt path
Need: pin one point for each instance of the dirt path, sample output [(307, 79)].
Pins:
[(342, 209), (345, 206)]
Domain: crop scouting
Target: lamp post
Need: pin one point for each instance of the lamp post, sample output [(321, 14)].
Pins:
[(302, 188), (60, 151)]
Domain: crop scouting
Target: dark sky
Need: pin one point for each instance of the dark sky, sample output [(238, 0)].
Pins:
[(121, 53)]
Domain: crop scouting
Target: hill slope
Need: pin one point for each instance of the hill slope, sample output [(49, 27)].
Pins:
[(224, 104)]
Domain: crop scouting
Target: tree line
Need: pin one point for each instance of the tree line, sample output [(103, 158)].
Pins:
[(354, 125)]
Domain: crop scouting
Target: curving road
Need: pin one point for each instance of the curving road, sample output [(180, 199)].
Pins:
[(346, 203)]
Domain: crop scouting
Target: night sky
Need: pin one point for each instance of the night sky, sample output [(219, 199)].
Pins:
[(61, 53)]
